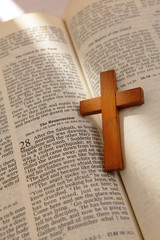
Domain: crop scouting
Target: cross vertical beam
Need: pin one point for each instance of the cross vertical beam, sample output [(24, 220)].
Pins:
[(110, 120)]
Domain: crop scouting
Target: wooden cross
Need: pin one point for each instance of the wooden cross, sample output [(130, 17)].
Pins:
[(108, 104)]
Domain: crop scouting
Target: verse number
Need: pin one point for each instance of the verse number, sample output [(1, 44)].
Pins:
[(24, 144), (145, 77), (111, 234)]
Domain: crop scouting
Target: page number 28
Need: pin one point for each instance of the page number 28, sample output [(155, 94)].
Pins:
[(24, 144)]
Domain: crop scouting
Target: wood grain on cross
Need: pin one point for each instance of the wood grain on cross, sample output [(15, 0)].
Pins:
[(108, 104)]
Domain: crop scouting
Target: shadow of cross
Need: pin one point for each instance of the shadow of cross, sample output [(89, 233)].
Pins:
[(108, 104)]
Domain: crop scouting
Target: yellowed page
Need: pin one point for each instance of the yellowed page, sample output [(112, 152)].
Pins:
[(125, 36), (53, 185)]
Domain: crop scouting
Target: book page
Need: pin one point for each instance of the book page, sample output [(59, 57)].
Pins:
[(125, 36), (53, 185)]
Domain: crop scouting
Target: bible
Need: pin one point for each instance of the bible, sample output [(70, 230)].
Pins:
[(53, 184)]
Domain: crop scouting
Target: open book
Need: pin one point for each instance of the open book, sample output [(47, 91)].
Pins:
[(52, 180)]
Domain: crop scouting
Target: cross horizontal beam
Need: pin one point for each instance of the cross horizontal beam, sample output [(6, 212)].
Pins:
[(128, 98)]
